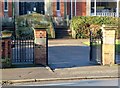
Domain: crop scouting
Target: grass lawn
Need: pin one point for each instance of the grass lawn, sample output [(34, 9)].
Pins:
[(117, 45)]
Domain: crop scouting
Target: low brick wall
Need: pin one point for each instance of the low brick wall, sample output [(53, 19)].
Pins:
[(6, 53), (6, 48)]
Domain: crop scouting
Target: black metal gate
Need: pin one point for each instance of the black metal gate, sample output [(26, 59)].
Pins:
[(23, 51), (96, 47)]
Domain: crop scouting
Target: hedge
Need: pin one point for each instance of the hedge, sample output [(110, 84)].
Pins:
[(7, 22), (82, 24), (35, 20)]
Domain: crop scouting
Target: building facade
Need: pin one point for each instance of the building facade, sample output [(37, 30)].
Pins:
[(7, 8), (55, 8), (61, 8), (71, 9)]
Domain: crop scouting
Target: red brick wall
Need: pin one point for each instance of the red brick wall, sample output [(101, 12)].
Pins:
[(62, 8), (54, 7), (10, 8), (1, 9), (68, 8), (73, 5), (40, 34), (6, 48), (80, 8), (83, 8)]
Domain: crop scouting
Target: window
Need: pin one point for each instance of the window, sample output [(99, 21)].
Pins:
[(58, 4), (5, 5)]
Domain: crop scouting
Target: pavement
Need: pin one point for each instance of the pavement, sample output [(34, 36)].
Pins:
[(68, 60)]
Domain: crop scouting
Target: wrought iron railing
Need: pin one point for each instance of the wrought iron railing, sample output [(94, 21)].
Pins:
[(112, 14)]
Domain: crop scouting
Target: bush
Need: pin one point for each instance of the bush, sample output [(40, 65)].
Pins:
[(7, 22), (34, 19), (25, 32), (25, 23), (82, 24), (6, 62)]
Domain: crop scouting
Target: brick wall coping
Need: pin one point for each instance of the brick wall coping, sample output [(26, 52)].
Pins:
[(109, 26), (9, 37), (40, 28)]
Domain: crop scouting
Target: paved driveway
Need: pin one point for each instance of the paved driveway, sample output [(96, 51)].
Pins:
[(68, 53)]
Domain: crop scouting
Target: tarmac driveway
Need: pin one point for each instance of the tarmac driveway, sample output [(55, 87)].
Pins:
[(69, 53)]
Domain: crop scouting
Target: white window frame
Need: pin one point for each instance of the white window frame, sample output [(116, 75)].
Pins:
[(5, 10)]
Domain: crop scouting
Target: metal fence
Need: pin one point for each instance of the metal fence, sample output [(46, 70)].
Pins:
[(96, 47), (23, 50), (112, 14)]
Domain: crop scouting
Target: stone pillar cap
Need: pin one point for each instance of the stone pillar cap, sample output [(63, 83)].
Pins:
[(109, 27)]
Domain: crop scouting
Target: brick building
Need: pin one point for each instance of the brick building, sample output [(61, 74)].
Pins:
[(7, 8), (54, 8), (60, 7)]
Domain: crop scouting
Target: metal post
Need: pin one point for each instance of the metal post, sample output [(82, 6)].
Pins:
[(95, 7), (46, 48), (117, 10), (75, 7), (65, 9), (71, 9), (90, 45)]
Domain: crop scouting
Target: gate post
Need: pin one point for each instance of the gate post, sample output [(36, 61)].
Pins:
[(108, 47), (6, 57), (40, 49)]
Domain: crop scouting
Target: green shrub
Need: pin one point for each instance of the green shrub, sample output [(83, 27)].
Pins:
[(25, 32), (25, 22), (6, 62), (81, 24), (7, 22)]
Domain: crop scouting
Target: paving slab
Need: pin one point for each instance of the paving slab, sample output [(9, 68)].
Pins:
[(26, 73), (35, 74)]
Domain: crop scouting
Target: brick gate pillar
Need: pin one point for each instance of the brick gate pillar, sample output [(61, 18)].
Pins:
[(108, 47), (6, 54), (40, 49)]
